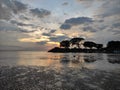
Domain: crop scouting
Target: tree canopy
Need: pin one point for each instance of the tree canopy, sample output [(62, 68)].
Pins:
[(65, 44), (76, 41), (113, 45), (89, 44)]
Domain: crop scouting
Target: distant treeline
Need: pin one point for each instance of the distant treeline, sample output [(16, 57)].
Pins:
[(80, 45)]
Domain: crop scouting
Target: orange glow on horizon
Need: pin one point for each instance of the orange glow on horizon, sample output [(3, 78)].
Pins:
[(33, 39), (53, 44)]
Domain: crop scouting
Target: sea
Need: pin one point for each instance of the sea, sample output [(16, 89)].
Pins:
[(38, 70)]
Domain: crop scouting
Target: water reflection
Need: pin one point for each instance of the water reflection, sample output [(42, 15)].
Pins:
[(58, 60), (113, 58), (65, 59), (89, 59)]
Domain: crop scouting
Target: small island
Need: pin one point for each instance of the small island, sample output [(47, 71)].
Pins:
[(82, 46)]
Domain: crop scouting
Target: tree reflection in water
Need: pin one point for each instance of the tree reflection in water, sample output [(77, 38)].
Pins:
[(90, 59), (76, 59), (113, 58)]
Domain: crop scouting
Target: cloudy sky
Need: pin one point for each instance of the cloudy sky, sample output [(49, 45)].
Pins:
[(41, 24)]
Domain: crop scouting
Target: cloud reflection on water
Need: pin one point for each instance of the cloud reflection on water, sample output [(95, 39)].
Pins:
[(60, 60), (72, 60)]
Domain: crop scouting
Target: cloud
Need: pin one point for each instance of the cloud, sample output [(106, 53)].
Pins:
[(26, 31), (58, 38), (10, 7), (7, 26), (20, 23), (116, 25), (116, 32), (76, 21), (5, 13), (18, 6), (79, 20), (86, 3), (109, 8), (90, 29), (42, 42), (40, 12), (65, 26), (65, 3), (50, 33), (23, 17), (46, 34), (109, 12)]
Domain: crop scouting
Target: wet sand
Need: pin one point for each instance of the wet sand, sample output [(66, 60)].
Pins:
[(47, 78)]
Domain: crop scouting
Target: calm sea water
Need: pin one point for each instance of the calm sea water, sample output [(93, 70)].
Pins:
[(58, 60), (33, 70)]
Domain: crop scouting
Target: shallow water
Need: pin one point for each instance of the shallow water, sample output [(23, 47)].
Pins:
[(58, 60), (33, 70)]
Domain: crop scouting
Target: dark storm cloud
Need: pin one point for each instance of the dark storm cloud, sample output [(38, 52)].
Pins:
[(8, 7), (76, 21), (58, 38), (40, 12), (20, 23)]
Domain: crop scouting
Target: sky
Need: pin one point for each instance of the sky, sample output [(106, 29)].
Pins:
[(42, 24)]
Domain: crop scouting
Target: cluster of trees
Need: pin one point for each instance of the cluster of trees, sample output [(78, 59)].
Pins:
[(113, 45), (78, 42)]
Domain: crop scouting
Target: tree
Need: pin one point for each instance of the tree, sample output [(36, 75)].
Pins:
[(89, 44), (65, 44), (113, 45), (99, 46), (76, 41)]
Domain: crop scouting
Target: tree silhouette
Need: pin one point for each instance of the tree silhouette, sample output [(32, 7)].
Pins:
[(65, 44), (89, 44), (99, 46), (76, 41), (113, 45)]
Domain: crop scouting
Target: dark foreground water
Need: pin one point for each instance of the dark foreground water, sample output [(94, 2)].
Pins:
[(22, 70)]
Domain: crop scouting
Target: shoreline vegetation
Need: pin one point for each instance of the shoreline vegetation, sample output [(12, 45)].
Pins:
[(82, 46)]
